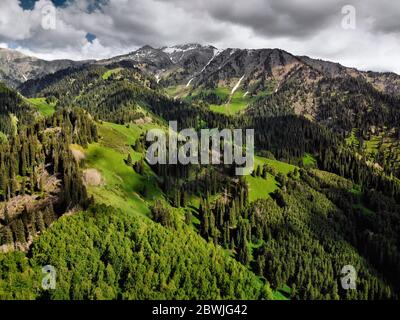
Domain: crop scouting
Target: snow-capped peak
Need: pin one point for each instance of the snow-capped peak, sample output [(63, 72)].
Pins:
[(178, 51), (180, 48)]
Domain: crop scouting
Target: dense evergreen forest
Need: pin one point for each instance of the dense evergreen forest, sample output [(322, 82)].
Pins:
[(114, 255), (194, 231), (38, 168)]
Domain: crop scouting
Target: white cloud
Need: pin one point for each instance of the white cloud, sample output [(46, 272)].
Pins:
[(15, 23)]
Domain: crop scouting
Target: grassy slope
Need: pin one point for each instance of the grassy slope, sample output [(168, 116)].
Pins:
[(122, 186), (112, 150), (108, 157), (260, 188), (43, 107), (180, 91), (309, 160), (282, 293), (120, 191), (109, 73), (237, 103)]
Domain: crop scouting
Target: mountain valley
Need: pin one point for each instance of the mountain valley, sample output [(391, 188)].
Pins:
[(77, 193)]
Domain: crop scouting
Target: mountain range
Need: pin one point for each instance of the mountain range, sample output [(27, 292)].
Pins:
[(16, 68), (304, 85), (199, 64), (77, 193), (245, 81)]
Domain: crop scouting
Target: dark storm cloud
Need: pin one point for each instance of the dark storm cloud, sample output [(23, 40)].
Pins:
[(380, 16), (294, 18)]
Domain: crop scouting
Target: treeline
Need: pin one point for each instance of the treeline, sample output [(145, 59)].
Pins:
[(32, 87), (339, 103), (117, 101), (357, 104), (121, 97), (343, 105), (111, 93)]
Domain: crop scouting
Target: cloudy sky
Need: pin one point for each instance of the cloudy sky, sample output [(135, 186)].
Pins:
[(359, 33)]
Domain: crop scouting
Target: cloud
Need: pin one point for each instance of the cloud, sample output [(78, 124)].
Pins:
[(290, 18), (10, 14), (306, 27)]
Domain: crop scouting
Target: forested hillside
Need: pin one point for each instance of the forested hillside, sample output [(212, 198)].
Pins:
[(77, 193), (104, 253), (39, 177)]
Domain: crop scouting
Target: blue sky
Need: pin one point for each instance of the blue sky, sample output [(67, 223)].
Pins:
[(91, 6), (96, 29), (29, 4)]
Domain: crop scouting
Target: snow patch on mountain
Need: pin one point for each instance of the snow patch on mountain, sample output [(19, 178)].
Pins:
[(188, 84), (176, 53), (175, 49), (169, 50), (237, 85), (232, 51), (158, 75), (216, 53)]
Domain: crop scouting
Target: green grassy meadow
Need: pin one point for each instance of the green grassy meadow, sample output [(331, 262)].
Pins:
[(260, 188), (111, 72), (122, 187), (45, 109), (237, 103)]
